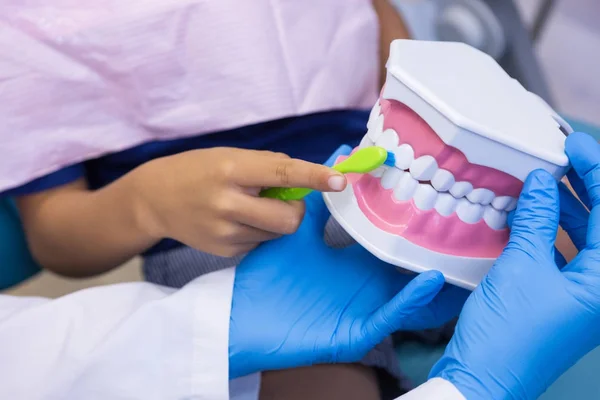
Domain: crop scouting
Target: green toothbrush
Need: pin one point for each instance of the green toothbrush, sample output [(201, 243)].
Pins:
[(362, 161)]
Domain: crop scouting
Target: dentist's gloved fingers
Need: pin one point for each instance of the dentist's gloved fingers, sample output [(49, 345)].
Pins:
[(584, 154), (573, 216), (509, 219), (316, 214), (577, 184), (445, 306), (535, 221), (393, 315), (343, 150)]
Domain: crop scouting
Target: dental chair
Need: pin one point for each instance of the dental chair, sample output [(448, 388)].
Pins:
[(492, 26)]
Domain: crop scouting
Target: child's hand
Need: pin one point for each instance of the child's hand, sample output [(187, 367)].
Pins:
[(208, 199)]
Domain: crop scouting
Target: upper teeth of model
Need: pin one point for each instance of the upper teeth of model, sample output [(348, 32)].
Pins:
[(431, 187)]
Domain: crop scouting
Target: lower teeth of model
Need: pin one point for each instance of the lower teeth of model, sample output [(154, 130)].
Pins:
[(426, 197)]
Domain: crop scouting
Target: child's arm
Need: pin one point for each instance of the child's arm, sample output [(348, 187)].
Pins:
[(391, 27), (77, 232), (206, 199)]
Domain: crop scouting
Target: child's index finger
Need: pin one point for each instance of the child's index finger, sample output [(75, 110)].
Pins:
[(270, 170)]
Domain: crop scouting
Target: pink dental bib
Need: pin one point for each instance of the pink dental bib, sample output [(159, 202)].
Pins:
[(81, 78)]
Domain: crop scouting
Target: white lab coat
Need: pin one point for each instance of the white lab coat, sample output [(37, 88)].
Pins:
[(131, 341)]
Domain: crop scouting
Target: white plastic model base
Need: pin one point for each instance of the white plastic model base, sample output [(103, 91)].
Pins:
[(465, 137), (460, 271)]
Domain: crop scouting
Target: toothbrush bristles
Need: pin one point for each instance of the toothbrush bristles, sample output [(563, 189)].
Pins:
[(390, 161)]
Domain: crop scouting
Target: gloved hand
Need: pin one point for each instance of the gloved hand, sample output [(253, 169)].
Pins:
[(298, 302), (530, 320)]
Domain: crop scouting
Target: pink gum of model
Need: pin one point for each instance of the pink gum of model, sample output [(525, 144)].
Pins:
[(428, 228)]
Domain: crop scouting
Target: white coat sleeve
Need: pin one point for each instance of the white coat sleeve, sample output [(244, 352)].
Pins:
[(434, 389), (127, 341)]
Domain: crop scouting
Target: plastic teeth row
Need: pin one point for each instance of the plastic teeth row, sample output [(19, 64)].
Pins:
[(405, 187)]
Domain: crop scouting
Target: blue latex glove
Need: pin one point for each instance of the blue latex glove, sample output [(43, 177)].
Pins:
[(529, 320), (298, 302)]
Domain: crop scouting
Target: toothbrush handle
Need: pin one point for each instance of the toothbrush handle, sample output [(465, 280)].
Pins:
[(285, 194)]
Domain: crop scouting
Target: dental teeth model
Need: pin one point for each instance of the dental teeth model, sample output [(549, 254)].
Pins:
[(465, 136)]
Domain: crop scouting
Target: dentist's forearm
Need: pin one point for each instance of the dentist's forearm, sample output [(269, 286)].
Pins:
[(76, 232)]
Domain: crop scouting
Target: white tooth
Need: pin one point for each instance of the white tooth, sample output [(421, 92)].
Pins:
[(442, 180), (494, 218), (511, 205), (406, 187), (376, 129), (375, 111), (378, 173), (404, 156), (423, 168), (461, 189), (445, 204), (481, 196), (391, 177), (501, 202), (469, 212), (425, 197), (365, 142), (388, 140)]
